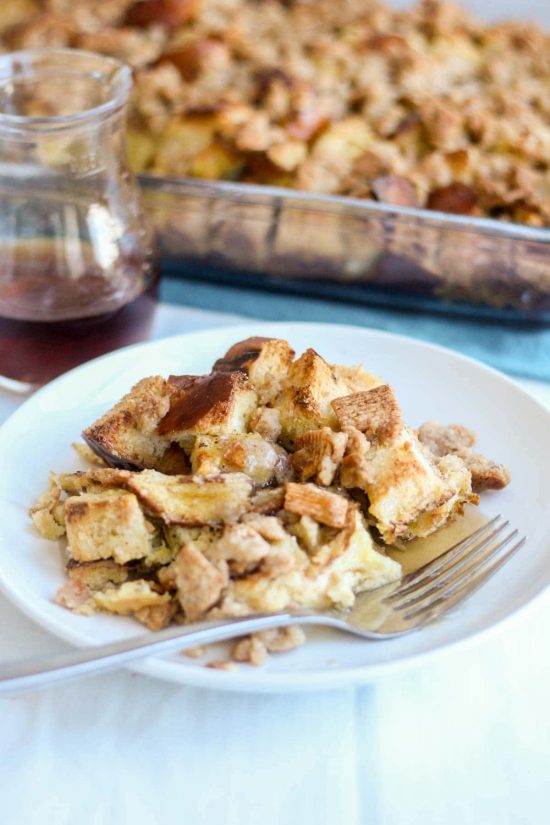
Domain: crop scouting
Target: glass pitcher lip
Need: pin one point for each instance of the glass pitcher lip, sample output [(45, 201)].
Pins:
[(118, 75)]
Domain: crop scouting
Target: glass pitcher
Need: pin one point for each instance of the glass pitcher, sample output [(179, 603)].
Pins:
[(76, 268)]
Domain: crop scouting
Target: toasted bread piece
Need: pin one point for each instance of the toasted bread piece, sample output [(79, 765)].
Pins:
[(264, 360), (193, 500), (318, 455), (309, 500), (401, 481), (217, 404), (96, 574), (200, 584), (374, 412), (305, 402), (353, 562), (259, 459), (126, 436), (106, 525)]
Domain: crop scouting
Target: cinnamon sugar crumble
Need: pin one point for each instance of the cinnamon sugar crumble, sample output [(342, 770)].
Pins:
[(420, 106)]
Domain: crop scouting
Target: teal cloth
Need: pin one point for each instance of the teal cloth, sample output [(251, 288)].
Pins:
[(516, 348)]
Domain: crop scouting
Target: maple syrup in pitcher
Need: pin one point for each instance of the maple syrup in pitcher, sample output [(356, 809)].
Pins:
[(77, 277), (78, 320)]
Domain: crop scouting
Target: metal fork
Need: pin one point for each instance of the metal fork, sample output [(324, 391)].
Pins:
[(404, 606)]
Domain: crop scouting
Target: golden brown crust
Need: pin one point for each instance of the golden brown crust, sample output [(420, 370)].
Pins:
[(133, 598), (96, 480), (305, 402), (157, 616), (106, 525), (126, 436), (455, 197)]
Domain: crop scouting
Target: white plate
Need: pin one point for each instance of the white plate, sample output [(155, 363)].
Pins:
[(431, 382)]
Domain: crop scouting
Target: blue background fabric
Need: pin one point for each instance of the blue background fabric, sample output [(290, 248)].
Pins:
[(518, 348)]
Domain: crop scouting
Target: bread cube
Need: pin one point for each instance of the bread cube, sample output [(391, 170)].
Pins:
[(305, 402), (193, 500), (217, 404), (106, 525), (265, 360), (127, 436), (401, 481)]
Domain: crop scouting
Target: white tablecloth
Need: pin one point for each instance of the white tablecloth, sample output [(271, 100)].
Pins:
[(463, 740)]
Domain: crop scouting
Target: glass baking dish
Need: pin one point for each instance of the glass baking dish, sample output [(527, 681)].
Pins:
[(349, 249)]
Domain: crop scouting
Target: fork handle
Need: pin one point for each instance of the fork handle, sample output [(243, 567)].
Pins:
[(36, 672)]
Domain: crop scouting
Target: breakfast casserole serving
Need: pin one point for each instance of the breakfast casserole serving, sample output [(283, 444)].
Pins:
[(273, 483), (424, 106)]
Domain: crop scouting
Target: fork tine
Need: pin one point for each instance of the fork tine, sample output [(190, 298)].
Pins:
[(430, 568), (478, 554), (452, 596)]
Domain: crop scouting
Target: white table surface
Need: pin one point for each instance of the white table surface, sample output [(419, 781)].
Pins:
[(465, 739)]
